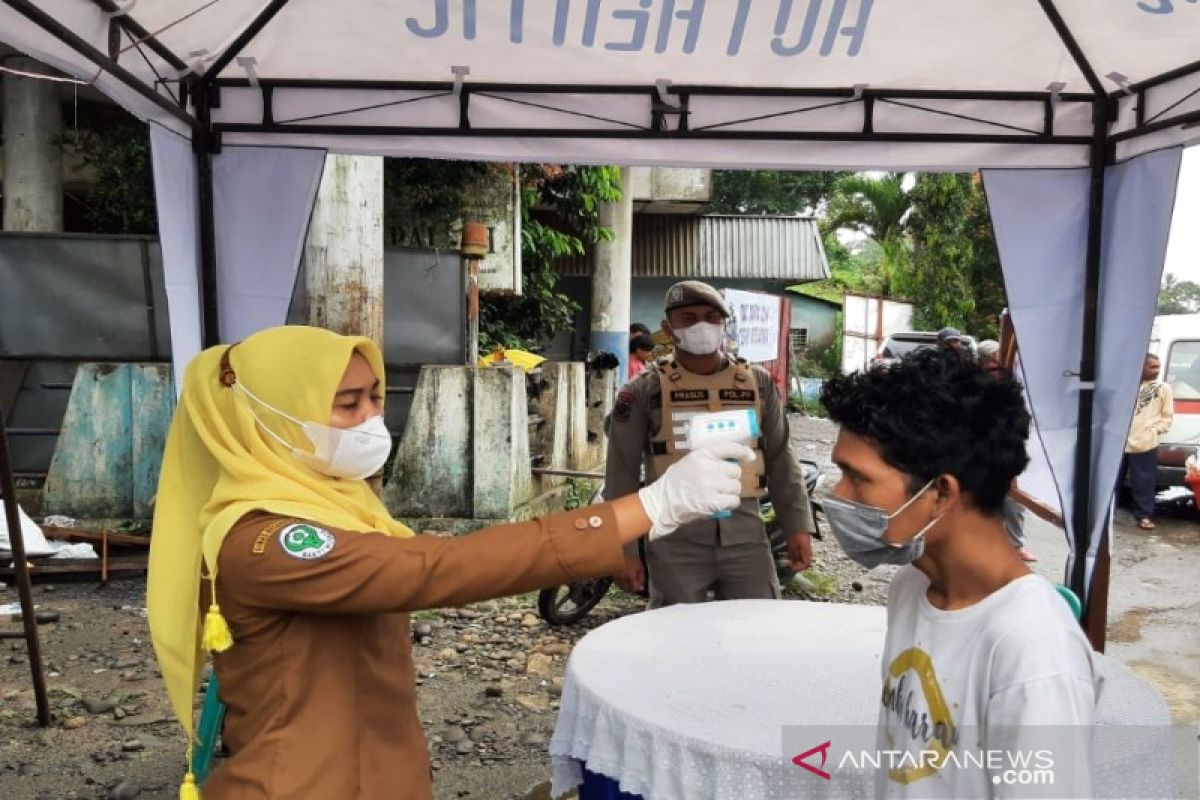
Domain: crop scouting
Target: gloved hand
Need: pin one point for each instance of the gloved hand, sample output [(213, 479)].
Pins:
[(704, 482)]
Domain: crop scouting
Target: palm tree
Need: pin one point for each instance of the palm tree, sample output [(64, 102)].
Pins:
[(877, 208)]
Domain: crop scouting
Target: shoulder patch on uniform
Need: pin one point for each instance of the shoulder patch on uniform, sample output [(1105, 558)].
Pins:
[(260, 541), (624, 405), (738, 395), (304, 541)]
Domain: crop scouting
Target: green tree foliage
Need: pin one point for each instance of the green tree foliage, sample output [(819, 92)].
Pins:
[(1178, 297), (426, 199), (117, 148), (771, 191), (955, 274), (572, 196), (877, 208)]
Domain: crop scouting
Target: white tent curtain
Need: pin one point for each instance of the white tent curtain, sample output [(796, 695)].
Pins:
[(262, 199), (1041, 223), (175, 196)]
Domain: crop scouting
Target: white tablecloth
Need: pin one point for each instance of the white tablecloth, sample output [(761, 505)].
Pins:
[(689, 702)]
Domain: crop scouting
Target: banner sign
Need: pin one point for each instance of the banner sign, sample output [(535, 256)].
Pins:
[(755, 325)]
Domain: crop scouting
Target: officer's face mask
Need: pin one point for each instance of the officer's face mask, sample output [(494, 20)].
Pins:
[(701, 338), (353, 453), (860, 530)]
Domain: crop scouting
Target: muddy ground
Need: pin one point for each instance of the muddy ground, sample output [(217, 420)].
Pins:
[(490, 674)]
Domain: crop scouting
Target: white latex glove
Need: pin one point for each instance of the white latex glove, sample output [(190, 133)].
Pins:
[(697, 486)]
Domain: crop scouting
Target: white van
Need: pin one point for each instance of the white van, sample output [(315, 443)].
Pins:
[(1176, 341)]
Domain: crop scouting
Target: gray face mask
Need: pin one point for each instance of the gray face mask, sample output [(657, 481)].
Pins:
[(860, 528)]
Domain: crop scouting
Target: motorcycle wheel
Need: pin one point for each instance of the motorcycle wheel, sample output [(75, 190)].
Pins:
[(566, 605)]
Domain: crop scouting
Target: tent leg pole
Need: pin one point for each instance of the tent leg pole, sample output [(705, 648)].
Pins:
[(21, 572), (204, 144), (1095, 601)]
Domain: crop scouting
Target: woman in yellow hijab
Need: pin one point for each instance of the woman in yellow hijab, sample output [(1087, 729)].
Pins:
[(271, 551)]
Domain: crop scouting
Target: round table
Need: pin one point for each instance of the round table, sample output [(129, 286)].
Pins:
[(689, 702), (711, 701)]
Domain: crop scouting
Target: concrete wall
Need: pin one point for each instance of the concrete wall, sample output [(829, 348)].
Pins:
[(819, 318), (464, 459)]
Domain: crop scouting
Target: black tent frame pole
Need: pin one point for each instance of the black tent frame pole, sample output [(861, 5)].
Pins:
[(205, 143), (21, 571), (1095, 596), (1094, 618)]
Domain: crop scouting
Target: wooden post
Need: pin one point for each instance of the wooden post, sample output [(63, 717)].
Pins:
[(21, 571)]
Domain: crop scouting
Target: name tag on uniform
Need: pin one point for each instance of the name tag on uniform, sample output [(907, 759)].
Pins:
[(688, 395), (738, 395)]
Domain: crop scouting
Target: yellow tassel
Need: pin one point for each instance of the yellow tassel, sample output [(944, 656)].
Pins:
[(187, 789), (217, 638)]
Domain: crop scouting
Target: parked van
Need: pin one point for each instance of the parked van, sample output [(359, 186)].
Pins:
[(1176, 341)]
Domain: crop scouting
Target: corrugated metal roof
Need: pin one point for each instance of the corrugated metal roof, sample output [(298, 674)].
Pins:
[(770, 248)]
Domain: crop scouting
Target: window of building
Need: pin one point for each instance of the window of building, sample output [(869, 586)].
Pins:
[(798, 339)]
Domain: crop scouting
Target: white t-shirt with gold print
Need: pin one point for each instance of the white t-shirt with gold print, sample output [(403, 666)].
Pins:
[(964, 692)]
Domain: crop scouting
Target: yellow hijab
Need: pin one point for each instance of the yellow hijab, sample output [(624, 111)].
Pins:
[(220, 465)]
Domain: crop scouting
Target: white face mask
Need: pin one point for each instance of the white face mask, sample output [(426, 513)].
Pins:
[(700, 339), (353, 453)]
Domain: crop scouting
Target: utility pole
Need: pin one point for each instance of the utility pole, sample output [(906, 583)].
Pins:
[(33, 165), (611, 279), (343, 258)]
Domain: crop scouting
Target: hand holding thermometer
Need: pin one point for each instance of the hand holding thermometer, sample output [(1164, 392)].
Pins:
[(724, 426)]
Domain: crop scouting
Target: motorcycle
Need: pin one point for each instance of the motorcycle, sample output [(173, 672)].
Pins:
[(566, 605)]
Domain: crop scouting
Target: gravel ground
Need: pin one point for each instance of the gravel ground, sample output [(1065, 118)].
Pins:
[(490, 676)]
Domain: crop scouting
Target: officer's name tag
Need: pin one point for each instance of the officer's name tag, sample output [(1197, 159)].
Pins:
[(688, 395), (737, 395)]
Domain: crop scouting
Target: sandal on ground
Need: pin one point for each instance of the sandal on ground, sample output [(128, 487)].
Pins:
[(1146, 524)]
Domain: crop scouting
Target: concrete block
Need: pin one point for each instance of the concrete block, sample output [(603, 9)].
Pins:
[(502, 480), (551, 438), (109, 450), (579, 456), (601, 391), (153, 403), (431, 474)]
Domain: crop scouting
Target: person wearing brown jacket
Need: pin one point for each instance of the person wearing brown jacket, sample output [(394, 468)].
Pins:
[(307, 580)]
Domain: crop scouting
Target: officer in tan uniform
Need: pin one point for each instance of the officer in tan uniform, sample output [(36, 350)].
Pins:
[(271, 551), (648, 431)]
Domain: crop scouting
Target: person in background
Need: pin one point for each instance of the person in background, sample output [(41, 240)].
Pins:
[(1153, 416), (265, 477), (949, 339), (637, 329), (981, 655), (988, 353), (730, 557), (641, 348)]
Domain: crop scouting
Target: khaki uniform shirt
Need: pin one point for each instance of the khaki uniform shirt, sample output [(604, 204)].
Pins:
[(319, 689), (637, 417)]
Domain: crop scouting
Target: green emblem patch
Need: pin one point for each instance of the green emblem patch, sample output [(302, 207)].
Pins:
[(306, 541)]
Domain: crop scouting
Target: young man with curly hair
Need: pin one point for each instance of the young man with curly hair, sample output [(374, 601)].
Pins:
[(979, 651)]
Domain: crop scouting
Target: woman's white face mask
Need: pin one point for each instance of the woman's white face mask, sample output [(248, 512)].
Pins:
[(351, 453)]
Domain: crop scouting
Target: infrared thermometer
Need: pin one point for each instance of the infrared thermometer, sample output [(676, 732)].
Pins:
[(724, 426)]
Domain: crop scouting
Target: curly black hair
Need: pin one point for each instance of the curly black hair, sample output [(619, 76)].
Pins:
[(937, 412)]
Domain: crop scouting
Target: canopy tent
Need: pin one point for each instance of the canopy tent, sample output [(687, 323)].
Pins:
[(1075, 109)]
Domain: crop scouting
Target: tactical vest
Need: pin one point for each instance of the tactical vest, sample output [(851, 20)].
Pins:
[(686, 394)]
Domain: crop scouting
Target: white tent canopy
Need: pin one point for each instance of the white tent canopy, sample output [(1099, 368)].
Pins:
[(1079, 105)]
